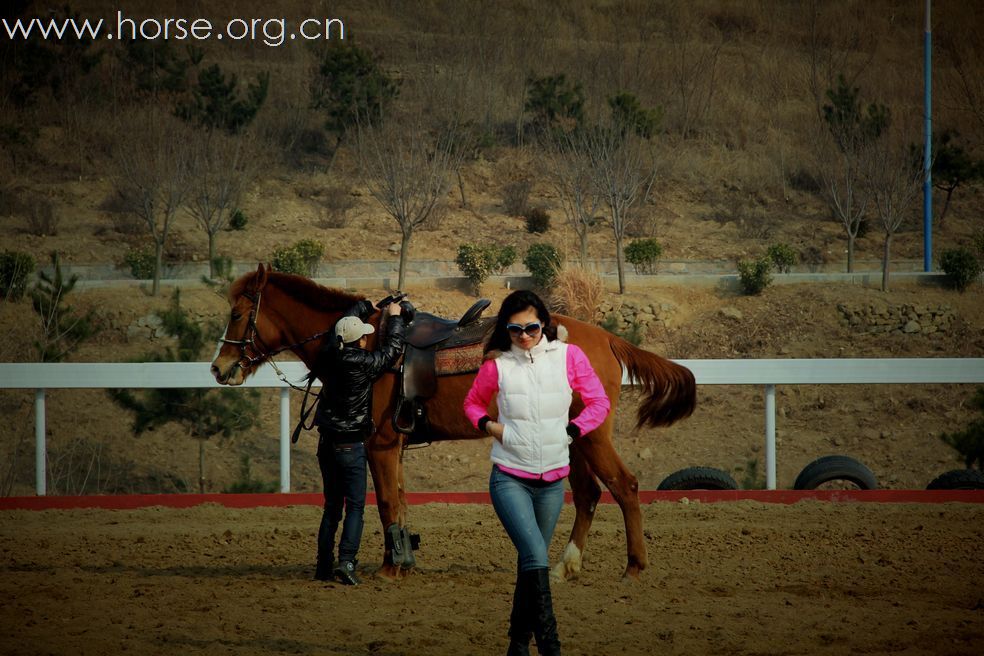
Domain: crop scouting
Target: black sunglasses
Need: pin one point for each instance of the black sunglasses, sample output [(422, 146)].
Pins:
[(530, 329)]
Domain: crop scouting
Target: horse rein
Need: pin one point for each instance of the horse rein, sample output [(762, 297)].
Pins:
[(251, 338)]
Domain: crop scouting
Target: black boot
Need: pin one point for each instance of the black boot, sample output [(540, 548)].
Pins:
[(541, 603), (324, 568), (520, 630)]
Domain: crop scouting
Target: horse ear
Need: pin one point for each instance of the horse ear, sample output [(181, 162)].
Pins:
[(262, 273)]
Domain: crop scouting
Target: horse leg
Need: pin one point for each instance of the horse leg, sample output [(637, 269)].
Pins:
[(600, 454), (586, 492), (386, 468)]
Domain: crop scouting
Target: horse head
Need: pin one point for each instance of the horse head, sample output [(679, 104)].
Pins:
[(271, 313), (242, 349)]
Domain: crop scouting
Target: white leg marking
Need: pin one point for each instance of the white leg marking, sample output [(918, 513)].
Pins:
[(569, 566)]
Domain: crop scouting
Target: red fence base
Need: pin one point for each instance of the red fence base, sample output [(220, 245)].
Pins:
[(132, 501)]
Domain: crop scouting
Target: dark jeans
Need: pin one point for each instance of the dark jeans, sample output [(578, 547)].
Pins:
[(528, 510), (343, 472)]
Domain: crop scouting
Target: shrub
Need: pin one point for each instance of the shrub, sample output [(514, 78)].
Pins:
[(310, 249), (238, 220), (543, 262), (301, 259), (814, 256), (803, 180), (969, 443), (754, 275), (478, 262), (15, 267), (643, 255), (335, 206), (782, 257), (473, 261), (505, 259), (515, 197), (960, 266), (537, 220), (141, 262), (41, 218)]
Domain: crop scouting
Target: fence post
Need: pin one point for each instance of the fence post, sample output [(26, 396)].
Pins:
[(285, 440), (40, 448), (770, 437)]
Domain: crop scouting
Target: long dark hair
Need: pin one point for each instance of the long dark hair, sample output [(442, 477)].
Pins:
[(518, 301)]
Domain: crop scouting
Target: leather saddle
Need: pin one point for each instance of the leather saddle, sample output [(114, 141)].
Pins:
[(426, 335)]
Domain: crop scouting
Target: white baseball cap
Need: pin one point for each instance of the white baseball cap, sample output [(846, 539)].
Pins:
[(350, 329)]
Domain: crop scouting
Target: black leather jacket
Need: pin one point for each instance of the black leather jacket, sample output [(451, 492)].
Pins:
[(345, 407)]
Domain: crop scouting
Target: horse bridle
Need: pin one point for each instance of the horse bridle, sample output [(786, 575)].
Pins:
[(252, 337)]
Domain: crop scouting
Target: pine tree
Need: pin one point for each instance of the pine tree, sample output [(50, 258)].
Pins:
[(203, 413), (969, 442), (62, 330)]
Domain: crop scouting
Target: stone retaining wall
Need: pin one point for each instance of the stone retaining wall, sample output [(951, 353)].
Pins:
[(643, 312), (898, 319)]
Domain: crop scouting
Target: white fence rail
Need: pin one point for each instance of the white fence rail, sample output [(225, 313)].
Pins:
[(767, 373)]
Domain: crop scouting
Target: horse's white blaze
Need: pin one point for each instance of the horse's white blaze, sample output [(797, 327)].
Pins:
[(569, 566), (218, 346)]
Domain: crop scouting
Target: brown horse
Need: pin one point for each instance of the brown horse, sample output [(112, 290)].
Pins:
[(273, 312)]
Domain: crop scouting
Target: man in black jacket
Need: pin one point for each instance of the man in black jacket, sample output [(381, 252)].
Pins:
[(344, 420)]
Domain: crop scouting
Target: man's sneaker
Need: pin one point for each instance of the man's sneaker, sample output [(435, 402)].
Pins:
[(345, 573)]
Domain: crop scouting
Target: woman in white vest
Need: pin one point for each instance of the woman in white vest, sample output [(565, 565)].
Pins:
[(534, 374)]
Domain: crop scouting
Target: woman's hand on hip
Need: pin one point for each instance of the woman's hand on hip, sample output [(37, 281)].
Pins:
[(495, 429)]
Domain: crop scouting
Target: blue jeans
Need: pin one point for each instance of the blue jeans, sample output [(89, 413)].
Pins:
[(528, 510), (343, 472)]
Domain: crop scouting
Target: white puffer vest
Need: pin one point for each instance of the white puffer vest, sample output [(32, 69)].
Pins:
[(534, 404)]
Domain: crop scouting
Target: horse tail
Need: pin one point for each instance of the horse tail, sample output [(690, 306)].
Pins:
[(669, 389)]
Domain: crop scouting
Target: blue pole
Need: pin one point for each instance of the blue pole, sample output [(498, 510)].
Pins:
[(928, 159)]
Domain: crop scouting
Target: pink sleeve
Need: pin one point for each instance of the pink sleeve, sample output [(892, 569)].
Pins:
[(585, 381), (486, 384)]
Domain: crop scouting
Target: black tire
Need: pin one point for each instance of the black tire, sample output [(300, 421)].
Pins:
[(958, 479), (698, 478), (835, 468)]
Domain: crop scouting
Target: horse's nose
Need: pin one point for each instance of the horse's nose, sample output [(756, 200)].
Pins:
[(218, 374)]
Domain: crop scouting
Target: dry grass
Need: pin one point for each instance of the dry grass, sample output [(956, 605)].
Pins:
[(577, 292), (735, 77)]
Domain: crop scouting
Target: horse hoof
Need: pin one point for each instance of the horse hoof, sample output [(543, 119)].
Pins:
[(389, 573), (569, 566), (631, 574)]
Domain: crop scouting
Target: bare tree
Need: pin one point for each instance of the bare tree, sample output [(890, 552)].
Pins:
[(694, 50), (152, 175), (408, 169), (835, 40), (842, 182), (845, 132), (568, 165), (894, 176), (961, 47), (623, 167), (222, 168)]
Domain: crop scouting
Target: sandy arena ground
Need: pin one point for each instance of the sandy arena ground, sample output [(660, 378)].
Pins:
[(729, 578)]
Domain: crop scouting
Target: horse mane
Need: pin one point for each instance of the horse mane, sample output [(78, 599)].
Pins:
[(301, 289)]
